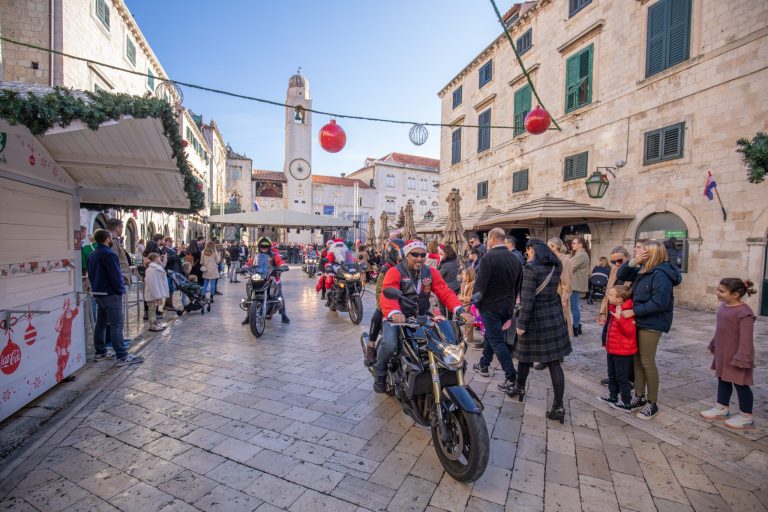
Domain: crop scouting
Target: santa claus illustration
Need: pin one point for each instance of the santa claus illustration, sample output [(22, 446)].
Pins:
[(64, 341)]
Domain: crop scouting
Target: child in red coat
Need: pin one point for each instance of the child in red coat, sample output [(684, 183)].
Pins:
[(621, 345)]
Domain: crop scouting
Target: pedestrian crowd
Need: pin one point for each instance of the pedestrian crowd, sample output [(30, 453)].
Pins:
[(527, 308)]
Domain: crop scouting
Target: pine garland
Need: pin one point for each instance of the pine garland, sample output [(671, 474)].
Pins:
[(63, 106)]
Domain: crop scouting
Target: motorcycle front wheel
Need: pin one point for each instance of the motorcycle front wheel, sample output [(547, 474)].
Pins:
[(465, 453), (355, 309), (256, 318)]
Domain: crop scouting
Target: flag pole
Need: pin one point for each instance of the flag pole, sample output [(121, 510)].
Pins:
[(725, 215)]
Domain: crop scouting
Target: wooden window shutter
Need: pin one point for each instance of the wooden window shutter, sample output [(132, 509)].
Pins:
[(522, 107), (672, 144), (580, 170), (678, 41), (520, 181), (568, 170), (655, 55), (571, 82), (585, 76), (652, 146), (456, 146)]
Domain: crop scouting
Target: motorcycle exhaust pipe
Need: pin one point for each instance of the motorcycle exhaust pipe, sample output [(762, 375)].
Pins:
[(244, 305)]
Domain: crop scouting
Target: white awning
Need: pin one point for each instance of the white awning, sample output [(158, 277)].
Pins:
[(280, 218)]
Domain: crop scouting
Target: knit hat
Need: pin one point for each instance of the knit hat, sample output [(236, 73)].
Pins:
[(413, 244)]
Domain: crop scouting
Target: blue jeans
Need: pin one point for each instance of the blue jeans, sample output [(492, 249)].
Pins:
[(387, 347), (576, 308), (213, 283), (495, 343), (110, 312)]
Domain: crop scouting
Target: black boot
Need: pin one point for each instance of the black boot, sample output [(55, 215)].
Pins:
[(557, 413), (245, 322), (576, 331), (517, 391), (286, 320), (380, 384), (539, 366)]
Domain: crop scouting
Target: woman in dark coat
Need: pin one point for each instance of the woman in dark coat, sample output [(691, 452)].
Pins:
[(541, 328)]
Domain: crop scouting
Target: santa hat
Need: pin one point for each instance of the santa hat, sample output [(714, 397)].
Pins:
[(338, 240), (329, 243), (413, 244)]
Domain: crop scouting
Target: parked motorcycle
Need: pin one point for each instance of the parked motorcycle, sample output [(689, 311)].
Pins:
[(310, 267), (346, 293), (262, 299), (427, 377)]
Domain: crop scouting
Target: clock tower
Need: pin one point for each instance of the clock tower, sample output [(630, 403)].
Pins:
[(298, 145)]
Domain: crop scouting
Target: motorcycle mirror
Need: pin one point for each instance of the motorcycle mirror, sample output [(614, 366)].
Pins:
[(392, 293), (476, 297), (284, 268)]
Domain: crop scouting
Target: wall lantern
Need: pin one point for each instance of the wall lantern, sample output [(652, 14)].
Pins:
[(597, 184)]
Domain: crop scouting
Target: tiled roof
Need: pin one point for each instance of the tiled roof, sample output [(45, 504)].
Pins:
[(336, 180), (260, 174), (404, 159)]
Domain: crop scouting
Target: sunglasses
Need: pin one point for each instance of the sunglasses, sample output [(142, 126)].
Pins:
[(418, 254), (617, 262)]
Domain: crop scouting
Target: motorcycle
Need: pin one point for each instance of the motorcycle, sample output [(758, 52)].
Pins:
[(427, 377), (310, 267), (261, 300), (346, 293)]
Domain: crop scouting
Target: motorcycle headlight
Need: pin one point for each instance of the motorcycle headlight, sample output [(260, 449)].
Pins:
[(451, 356), (257, 277), (348, 275)]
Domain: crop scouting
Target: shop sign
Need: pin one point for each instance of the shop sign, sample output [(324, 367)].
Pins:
[(680, 235)]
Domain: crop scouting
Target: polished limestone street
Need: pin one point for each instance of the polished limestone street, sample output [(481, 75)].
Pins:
[(216, 419)]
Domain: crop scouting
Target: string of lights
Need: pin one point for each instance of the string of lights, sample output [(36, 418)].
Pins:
[(253, 98)]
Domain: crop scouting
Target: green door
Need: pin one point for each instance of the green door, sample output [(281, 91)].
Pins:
[(764, 305)]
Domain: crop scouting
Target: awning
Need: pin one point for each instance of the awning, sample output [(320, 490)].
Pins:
[(280, 218), (550, 211), (471, 221), (127, 162)]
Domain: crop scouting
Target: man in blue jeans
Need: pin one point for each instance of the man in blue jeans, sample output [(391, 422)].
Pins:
[(108, 288), (498, 282)]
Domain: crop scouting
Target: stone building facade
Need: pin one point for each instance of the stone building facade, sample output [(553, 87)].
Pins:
[(105, 31), (671, 107)]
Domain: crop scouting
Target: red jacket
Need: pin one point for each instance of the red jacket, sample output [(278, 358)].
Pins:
[(622, 332), (439, 288)]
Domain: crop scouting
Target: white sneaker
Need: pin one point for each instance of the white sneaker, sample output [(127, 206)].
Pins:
[(157, 327), (740, 421), (716, 413)]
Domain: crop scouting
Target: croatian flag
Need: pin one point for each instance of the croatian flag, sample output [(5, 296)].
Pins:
[(255, 205), (710, 186)]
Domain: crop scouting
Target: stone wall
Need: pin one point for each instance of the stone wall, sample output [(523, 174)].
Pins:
[(719, 93), (26, 21)]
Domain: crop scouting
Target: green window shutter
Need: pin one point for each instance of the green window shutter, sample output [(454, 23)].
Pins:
[(520, 181), (571, 82), (678, 41), (655, 54), (522, 107), (585, 76), (578, 79), (150, 80), (652, 147), (575, 166)]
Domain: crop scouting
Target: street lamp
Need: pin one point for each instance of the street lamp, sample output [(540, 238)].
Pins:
[(597, 184)]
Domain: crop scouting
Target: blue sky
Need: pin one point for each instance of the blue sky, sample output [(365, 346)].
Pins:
[(380, 59)]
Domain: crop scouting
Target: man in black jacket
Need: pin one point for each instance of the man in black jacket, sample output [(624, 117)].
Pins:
[(498, 280)]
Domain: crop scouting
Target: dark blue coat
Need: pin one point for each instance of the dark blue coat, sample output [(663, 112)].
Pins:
[(104, 271), (652, 294)]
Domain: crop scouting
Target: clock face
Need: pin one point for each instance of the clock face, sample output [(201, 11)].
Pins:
[(300, 169)]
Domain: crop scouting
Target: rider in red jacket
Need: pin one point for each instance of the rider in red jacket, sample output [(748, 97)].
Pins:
[(417, 282), (265, 247)]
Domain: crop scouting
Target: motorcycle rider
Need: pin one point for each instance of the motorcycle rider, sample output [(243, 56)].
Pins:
[(338, 253), (320, 286), (417, 282), (264, 246), (393, 255)]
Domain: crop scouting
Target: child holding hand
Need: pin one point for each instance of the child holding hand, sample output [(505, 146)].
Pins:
[(734, 350), (621, 346)]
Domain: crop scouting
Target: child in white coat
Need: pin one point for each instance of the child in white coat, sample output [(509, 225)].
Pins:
[(155, 289)]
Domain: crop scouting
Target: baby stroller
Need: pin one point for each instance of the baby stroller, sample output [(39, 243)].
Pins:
[(598, 282), (192, 291)]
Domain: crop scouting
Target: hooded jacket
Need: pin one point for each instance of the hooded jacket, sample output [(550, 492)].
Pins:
[(652, 294)]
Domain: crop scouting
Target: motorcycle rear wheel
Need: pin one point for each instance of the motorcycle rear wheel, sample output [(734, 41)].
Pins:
[(356, 310), (466, 456), (256, 319)]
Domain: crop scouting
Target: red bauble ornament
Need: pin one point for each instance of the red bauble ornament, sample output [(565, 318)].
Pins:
[(184, 143), (537, 121), (30, 334), (332, 137), (31, 159), (10, 357), (199, 186)]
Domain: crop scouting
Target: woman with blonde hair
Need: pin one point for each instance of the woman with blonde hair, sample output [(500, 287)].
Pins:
[(564, 287), (209, 266), (653, 279)]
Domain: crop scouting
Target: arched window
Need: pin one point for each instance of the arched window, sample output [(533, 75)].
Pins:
[(100, 222), (130, 236), (671, 229)]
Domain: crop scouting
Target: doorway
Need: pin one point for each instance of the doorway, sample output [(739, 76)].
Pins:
[(764, 302)]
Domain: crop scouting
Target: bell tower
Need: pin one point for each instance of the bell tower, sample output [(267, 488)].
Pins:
[(298, 144)]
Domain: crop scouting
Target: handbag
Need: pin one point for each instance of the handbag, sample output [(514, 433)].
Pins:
[(539, 289)]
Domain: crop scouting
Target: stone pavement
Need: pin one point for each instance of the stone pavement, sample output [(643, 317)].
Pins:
[(218, 420)]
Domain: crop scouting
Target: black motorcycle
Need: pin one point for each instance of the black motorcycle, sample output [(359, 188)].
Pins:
[(310, 267), (346, 293), (262, 299), (427, 377)]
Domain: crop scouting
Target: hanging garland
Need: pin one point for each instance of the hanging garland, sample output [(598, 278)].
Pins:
[(62, 106)]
